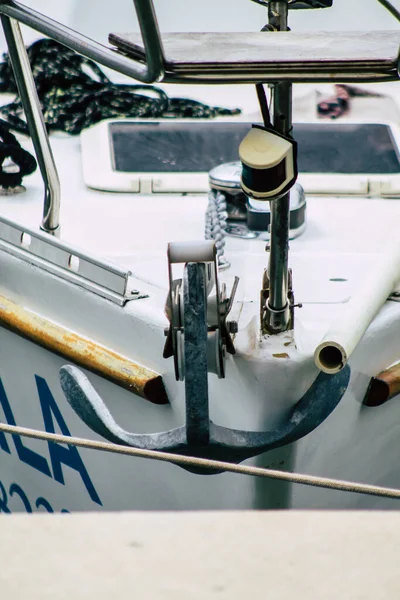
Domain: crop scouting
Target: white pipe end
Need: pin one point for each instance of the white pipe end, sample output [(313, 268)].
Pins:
[(330, 357)]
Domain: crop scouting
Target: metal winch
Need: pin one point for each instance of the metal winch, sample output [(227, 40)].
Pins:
[(245, 217)]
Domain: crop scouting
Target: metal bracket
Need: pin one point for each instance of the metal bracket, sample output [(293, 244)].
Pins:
[(217, 308), (152, 70), (266, 313), (67, 262)]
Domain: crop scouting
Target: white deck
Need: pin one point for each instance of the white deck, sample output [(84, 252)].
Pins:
[(343, 233)]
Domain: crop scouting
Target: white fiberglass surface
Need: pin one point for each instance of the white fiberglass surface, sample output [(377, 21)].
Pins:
[(134, 230)]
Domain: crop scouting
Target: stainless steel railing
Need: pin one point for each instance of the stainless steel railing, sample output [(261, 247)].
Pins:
[(12, 13)]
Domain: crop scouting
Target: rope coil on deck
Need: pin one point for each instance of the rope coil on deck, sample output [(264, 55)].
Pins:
[(205, 463), (75, 93)]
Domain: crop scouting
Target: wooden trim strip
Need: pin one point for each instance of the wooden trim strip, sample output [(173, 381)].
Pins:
[(383, 387), (84, 352)]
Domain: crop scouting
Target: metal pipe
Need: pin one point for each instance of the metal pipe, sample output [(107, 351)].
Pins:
[(152, 71), (344, 335), (389, 6), (11, 13), (151, 39), (277, 309), (278, 14), (37, 128)]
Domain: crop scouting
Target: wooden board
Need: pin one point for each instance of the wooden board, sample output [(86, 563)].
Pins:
[(205, 53)]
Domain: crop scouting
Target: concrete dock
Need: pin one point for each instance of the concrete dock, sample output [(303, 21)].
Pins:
[(198, 556)]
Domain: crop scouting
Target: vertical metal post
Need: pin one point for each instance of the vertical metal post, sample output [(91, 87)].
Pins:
[(37, 128), (277, 310)]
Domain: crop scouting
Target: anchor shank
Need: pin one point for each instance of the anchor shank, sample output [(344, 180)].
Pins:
[(195, 354)]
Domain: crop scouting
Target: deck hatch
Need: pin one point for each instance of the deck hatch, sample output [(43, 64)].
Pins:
[(344, 157)]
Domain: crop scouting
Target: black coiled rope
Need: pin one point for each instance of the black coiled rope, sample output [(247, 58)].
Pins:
[(75, 93), (20, 161)]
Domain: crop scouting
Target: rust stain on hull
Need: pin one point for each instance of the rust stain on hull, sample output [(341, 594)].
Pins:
[(85, 352)]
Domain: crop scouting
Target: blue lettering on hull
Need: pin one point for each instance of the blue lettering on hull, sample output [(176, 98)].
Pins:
[(16, 490), (59, 454)]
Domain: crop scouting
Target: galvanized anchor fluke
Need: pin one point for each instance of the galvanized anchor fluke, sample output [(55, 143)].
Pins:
[(200, 436)]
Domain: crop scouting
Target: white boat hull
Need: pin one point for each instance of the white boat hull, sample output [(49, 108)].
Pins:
[(355, 442), (264, 380)]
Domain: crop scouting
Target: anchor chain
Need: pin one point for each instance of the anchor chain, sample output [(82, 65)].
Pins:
[(215, 224)]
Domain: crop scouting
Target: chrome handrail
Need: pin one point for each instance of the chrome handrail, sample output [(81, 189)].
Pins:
[(153, 70), (11, 14), (37, 128)]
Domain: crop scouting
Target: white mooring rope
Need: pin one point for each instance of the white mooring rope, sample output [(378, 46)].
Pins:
[(177, 459)]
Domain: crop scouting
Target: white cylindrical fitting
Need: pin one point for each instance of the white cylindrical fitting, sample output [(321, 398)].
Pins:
[(333, 352)]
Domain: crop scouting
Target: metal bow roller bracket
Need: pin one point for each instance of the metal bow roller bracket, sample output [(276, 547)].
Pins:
[(197, 308), (198, 338)]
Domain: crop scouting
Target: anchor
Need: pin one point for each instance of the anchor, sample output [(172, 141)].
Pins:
[(198, 339), (200, 437)]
